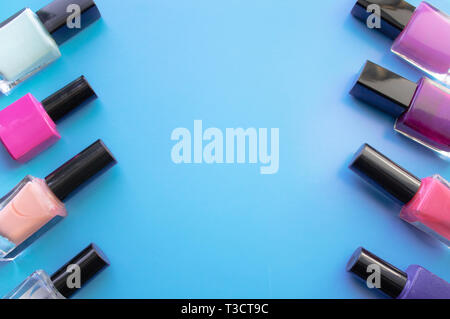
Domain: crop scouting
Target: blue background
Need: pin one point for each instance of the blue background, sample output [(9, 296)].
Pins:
[(213, 231)]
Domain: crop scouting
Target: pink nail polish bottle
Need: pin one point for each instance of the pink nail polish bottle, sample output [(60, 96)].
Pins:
[(35, 205), (27, 127), (426, 202), (421, 34)]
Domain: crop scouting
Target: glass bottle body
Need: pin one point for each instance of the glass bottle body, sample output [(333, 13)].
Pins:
[(427, 120), (37, 286), (422, 284), (26, 213), (27, 47), (26, 129), (424, 42), (429, 210)]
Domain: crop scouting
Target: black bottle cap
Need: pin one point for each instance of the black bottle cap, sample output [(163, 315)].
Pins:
[(392, 280), (74, 94), (384, 89), (86, 264), (59, 19), (395, 14), (80, 169), (384, 174)]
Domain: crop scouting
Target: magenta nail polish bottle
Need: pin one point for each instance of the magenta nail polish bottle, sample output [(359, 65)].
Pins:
[(422, 109), (421, 34), (27, 126), (415, 283)]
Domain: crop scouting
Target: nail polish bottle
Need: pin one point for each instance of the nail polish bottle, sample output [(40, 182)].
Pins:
[(415, 283), (426, 202), (30, 41), (27, 127), (419, 33), (66, 281), (35, 205), (422, 109)]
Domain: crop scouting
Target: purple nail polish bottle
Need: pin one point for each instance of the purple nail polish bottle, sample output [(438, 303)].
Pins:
[(415, 283), (422, 109), (418, 33)]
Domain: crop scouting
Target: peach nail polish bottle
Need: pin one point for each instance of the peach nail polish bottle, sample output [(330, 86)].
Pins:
[(35, 204)]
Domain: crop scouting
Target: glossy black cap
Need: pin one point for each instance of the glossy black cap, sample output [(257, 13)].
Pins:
[(384, 89), (381, 172), (75, 94), (395, 14), (363, 264), (59, 19), (80, 169), (86, 264)]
